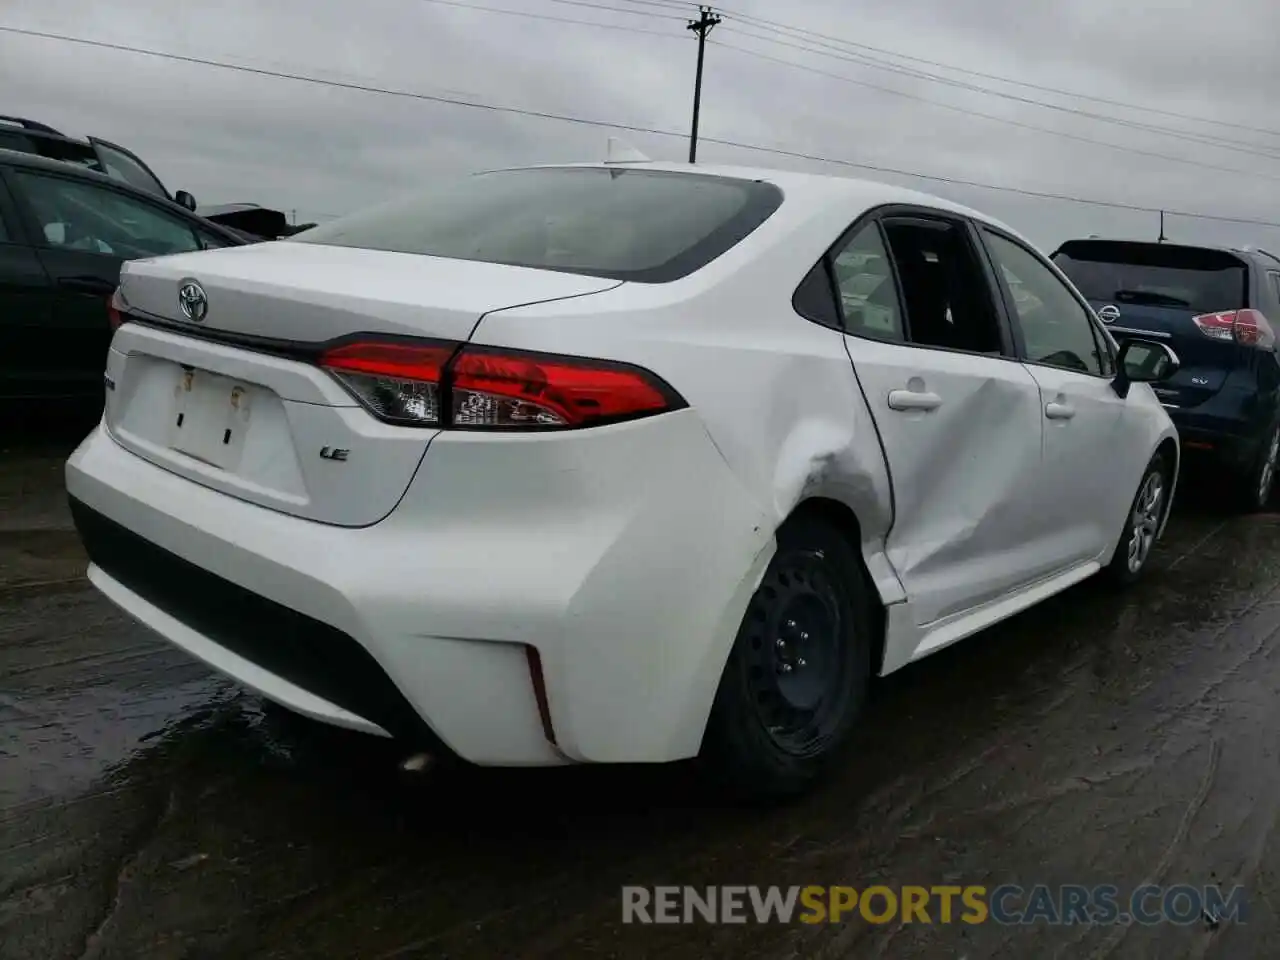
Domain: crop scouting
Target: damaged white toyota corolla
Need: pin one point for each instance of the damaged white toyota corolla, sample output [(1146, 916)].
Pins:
[(613, 462)]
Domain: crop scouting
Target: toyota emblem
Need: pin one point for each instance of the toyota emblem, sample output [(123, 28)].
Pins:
[(193, 301)]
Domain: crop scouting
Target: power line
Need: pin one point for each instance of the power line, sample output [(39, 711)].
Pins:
[(610, 125), (1238, 146), (670, 13), (776, 25), (624, 27), (683, 6), (324, 81), (959, 182), (997, 119)]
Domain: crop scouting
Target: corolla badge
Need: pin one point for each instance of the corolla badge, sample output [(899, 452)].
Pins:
[(193, 301), (1110, 313)]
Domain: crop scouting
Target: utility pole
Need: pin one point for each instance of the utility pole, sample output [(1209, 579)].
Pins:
[(702, 26), (1162, 237)]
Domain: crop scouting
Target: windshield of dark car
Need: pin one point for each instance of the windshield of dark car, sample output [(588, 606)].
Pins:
[(625, 224), (125, 168)]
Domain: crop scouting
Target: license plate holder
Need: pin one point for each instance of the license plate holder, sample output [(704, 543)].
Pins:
[(210, 418)]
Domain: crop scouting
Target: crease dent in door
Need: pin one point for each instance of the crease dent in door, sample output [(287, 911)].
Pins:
[(986, 430)]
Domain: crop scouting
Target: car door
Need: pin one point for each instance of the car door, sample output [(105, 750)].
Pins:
[(958, 417), (1092, 455), (84, 231), (26, 302)]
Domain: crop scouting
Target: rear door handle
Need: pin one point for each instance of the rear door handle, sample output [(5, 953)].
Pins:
[(913, 400), (94, 285), (1059, 411)]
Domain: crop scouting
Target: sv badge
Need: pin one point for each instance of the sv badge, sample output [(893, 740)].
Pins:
[(334, 453)]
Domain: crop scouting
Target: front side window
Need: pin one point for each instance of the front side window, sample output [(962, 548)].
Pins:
[(74, 215), (1056, 328), (624, 224)]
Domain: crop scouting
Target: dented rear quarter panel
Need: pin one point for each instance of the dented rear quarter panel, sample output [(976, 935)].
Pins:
[(775, 392)]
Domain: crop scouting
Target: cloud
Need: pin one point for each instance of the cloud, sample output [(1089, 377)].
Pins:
[(233, 136)]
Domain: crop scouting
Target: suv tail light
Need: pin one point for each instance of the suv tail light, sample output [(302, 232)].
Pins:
[(443, 384), (1248, 328), (115, 309)]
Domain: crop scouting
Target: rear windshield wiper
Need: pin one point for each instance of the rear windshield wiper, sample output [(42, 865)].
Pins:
[(1151, 298)]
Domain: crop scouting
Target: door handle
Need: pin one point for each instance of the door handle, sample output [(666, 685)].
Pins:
[(913, 400), (1059, 411), (93, 285)]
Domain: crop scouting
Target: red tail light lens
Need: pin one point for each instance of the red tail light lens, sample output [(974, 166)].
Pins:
[(497, 388), (397, 382), (1248, 328), (115, 309), (490, 388)]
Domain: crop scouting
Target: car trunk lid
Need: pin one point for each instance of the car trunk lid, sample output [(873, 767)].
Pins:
[(234, 399)]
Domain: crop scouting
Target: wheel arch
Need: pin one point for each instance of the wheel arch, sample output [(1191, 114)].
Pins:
[(1168, 447), (844, 520)]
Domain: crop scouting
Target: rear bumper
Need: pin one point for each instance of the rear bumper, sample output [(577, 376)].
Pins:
[(1229, 441), (1209, 446), (627, 571), (1229, 427)]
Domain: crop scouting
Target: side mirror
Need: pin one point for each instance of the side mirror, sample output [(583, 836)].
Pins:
[(182, 198), (1143, 361)]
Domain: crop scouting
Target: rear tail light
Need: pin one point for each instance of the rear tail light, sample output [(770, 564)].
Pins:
[(427, 383), (1246, 327), (115, 309), (397, 382)]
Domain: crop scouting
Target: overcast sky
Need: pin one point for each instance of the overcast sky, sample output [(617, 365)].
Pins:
[(322, 150)]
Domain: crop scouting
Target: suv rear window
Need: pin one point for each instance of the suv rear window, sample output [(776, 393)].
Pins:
[(641, 225), (1156, 274)]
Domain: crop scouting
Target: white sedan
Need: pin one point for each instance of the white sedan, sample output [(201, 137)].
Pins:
[(614, 462)]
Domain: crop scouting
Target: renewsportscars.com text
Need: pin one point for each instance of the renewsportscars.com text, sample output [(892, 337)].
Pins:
[(1007, 904)]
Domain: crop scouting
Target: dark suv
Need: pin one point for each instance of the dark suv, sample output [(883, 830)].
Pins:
[(31, 136), (64, 233), (1215, 308)]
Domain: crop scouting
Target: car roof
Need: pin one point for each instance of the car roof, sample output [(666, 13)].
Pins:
[(1254, 256), (25, 159), (816, 188)]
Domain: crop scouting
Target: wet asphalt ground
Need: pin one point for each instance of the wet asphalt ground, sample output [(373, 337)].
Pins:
[(149, 809)]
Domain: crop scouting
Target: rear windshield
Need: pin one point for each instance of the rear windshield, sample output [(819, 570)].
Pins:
[(1156, 274), (640, 225)]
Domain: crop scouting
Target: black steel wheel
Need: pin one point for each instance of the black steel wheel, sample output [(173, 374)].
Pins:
[(797, 676)]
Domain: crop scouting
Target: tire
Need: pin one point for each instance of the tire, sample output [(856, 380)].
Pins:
[(1259, 483), (1141, 523), (797, 677)]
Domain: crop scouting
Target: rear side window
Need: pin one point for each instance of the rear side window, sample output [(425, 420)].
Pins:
[(1156, 275), (625, 224), (868, 294)]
